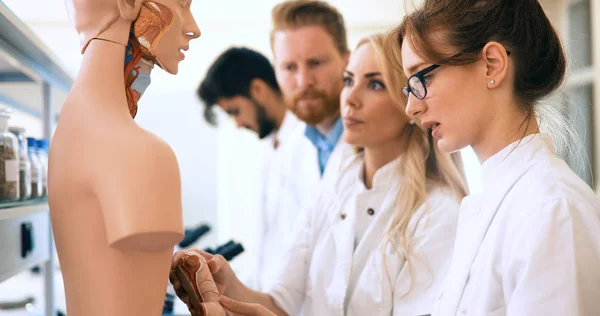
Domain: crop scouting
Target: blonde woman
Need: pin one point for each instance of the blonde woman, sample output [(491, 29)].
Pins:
[(380, 241)]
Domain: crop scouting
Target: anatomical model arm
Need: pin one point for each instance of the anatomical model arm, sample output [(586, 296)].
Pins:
[(140, 198)]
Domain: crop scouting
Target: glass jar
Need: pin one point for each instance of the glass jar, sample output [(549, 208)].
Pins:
[(42, 150), (9, 160), (36, 168), (24, 163)]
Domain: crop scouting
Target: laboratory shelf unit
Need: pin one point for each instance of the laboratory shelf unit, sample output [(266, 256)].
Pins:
[(31, 82)]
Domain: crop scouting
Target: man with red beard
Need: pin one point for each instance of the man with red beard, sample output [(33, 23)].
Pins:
[(311, 52)]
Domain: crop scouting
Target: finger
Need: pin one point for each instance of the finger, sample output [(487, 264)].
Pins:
[(205, 254), (214, 309), (205, 283), (216, 264), (246, 309)]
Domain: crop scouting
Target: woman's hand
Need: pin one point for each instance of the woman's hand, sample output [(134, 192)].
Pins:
[(225, 282), (224, 277), (194, 285), (245, 309)]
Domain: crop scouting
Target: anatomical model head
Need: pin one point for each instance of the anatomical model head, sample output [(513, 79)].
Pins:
[(153, 32)]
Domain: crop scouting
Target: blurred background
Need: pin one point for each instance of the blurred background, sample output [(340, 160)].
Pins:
[(219, 187)]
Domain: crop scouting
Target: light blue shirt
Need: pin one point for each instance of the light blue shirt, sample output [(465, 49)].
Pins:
[(325, 144)]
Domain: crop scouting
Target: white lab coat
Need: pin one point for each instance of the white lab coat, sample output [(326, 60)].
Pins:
[(530, 243), (326, 273), (291, 184)]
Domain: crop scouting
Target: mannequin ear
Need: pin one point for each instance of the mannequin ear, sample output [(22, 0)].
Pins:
[(129, 9)]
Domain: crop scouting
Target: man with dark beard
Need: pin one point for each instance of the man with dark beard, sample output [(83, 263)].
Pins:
[(242, 82)]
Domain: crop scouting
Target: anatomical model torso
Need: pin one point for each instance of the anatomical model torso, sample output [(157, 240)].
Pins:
[(114, 188)]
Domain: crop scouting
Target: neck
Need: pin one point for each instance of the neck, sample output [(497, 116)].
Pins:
[(505, 130), (101, 76), (325, 126), (278, 111), (380, 155)]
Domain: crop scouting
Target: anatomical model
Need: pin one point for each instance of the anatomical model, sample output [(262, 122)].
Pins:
[(114, 188)]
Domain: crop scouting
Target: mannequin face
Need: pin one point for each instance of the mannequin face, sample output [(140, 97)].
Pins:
[(169, 47)]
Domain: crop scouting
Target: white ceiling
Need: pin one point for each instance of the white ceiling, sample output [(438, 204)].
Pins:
[(221, 27)]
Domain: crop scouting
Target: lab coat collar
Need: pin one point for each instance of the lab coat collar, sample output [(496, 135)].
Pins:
[(383, 177), (290, 122), (510, 160)]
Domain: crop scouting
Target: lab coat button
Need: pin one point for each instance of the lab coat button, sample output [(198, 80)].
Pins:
[(343, 216), (463, 311), (370, 211)]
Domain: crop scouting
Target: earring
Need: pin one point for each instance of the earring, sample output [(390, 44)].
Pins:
[(492, 81)]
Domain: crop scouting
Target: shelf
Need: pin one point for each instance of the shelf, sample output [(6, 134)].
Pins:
[(25, 64), (10, 210), (28, 52), (24, 240), (31, 81)]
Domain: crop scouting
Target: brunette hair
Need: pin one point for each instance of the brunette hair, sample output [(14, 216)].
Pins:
[(467, 25)]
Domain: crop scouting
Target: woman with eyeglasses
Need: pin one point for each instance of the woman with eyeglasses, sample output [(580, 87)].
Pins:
[(380, 241), (478, 71)]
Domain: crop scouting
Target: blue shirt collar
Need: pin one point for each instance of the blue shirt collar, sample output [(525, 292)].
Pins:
[(332, 138)]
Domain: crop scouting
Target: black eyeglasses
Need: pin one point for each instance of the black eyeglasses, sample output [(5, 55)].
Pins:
[(416, 83)]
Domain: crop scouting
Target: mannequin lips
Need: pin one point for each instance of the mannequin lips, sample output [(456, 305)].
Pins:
[(182, 50)]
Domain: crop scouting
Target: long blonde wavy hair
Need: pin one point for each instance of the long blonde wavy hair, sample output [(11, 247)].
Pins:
[(423, 165)]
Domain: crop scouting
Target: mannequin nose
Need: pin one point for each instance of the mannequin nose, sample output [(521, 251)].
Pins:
[(193, 30)]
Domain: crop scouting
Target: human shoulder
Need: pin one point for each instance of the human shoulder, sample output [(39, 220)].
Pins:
[(441, 196), (548, 181), (440, 206)]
